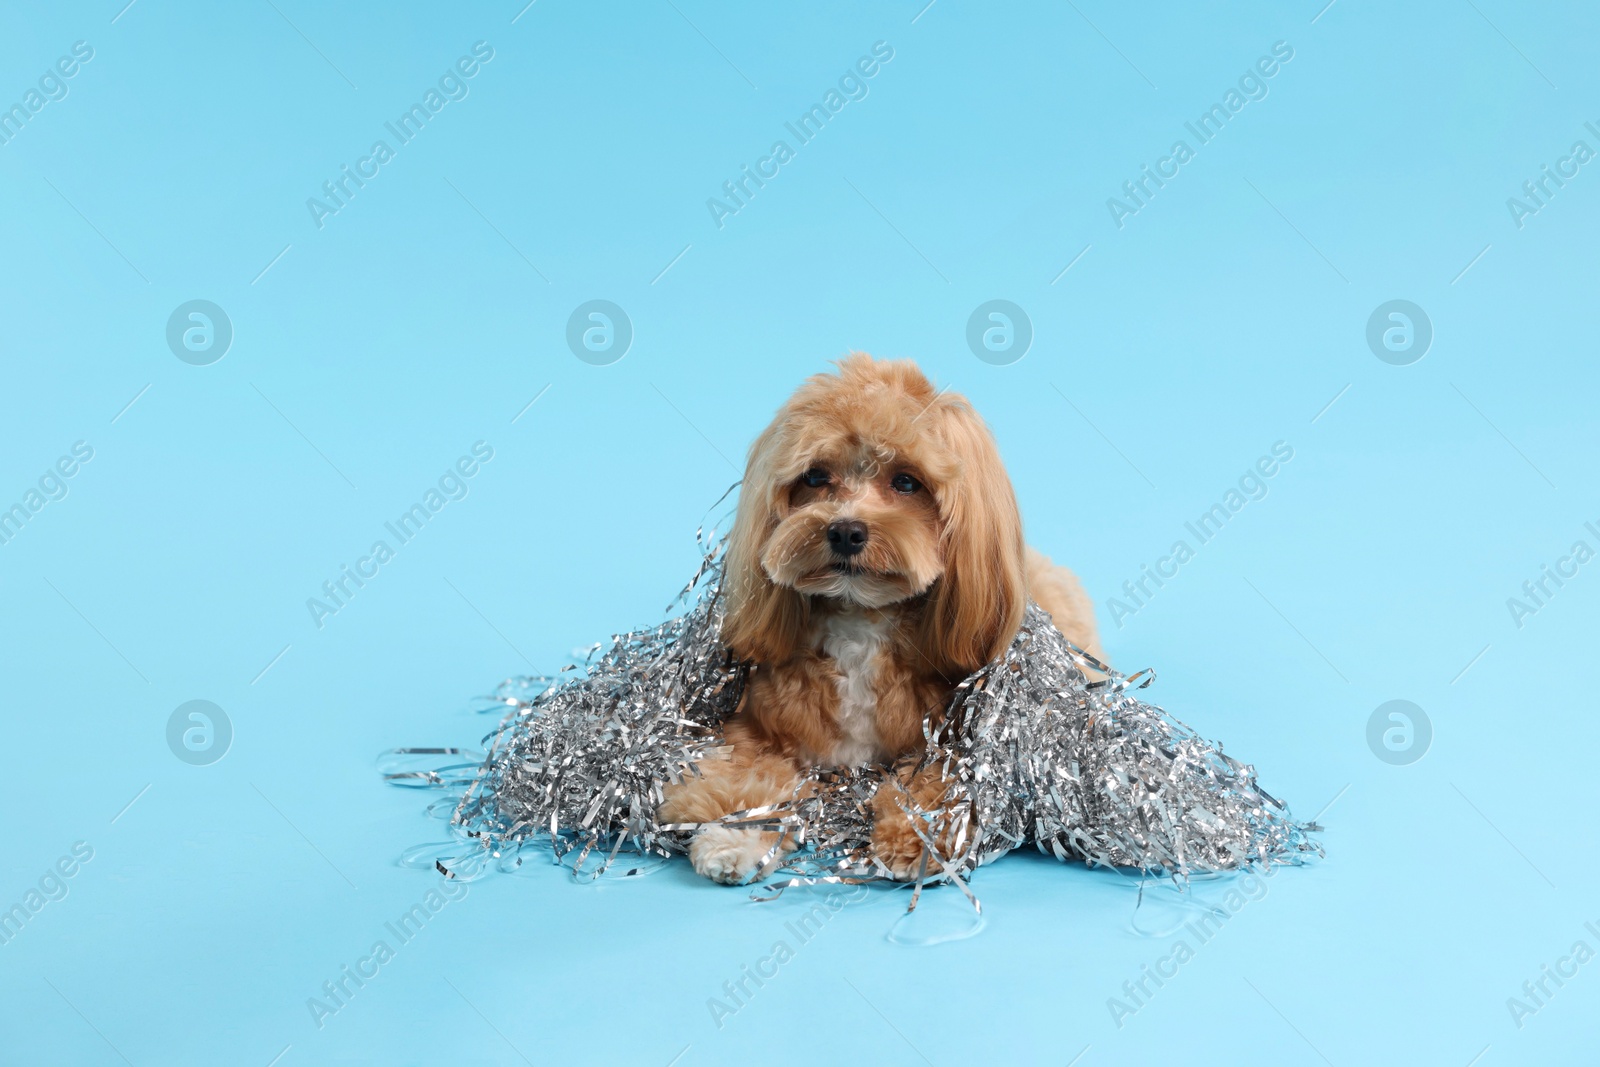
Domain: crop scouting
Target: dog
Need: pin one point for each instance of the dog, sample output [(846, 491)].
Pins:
[(876, 559)]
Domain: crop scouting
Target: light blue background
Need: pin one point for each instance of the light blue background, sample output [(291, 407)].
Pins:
[(1223, 317)]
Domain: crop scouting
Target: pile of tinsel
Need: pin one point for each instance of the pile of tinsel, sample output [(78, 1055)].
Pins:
[(1034, 751)]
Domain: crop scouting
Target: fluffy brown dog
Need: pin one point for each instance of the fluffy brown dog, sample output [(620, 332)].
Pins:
[(875, 561)]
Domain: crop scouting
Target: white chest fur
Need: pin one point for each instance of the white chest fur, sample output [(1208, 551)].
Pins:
[(855, 643)]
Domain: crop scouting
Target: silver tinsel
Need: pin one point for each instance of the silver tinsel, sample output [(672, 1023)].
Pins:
[(1032, 750)]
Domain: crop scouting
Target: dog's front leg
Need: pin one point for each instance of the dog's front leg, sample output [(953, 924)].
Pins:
[(750, 779), (943, 819)]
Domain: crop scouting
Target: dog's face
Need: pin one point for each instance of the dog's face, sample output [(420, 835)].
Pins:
[(858, 524), (871, 489)]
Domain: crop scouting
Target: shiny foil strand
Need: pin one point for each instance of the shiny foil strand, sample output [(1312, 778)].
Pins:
[(1032, 749)]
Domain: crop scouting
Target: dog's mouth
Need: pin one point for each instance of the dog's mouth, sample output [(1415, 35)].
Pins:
[(850, 581), (841, 574)]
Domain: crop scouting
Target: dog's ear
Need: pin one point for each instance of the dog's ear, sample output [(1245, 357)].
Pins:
[(764, 621), (976, 606)]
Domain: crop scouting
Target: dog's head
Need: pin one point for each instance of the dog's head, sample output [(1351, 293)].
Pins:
[(873, 488)]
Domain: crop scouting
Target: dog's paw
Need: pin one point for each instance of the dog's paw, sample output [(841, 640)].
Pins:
[(900, 850), (728, 855)]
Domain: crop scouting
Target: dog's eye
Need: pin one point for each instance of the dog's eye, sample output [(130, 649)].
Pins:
[(815, 478), (904, 483)]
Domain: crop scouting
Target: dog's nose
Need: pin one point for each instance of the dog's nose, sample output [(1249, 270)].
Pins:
[(847, 537)]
